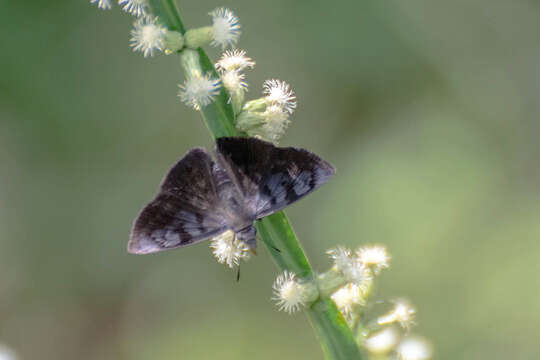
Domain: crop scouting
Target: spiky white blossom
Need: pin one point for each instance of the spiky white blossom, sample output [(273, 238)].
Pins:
[(279, 93), (383, 341), (234, 81), (136, 8), (148, 36), (348, 296), (402, 313), (234, 60), (228, 249), (359, 274), (375, 257), (225, 26), (289, 294), (102, 4), (199, 90), (341, 256), (351, 268), (414, 348), (275, 124)]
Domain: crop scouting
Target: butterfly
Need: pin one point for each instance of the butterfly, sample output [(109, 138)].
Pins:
[(200, 198)]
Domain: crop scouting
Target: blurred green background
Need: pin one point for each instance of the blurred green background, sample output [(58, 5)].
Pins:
[(428, 109)]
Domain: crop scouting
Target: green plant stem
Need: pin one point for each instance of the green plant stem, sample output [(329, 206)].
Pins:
[(331, 328)]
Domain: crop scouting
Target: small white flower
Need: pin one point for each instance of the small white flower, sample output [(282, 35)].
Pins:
[(402, 313), (6, 353), (148, 36), (228, 249), (276, 122), (199, 90), (351, 268), (288, 292), (414, 348), (226, 27), (341, 256), (234, 60), (348, 296), (375, 257), (102, 4), (357, 273), (279, 92), (134, 7), (382, 341), (234, 81)]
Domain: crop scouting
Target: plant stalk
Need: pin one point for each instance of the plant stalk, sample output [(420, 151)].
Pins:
[(277, 234)]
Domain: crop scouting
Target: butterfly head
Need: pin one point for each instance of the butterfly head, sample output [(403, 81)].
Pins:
[(248, 236)]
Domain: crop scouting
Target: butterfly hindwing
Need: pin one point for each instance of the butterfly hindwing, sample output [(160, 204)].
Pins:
[(271, 177), (185, 211)]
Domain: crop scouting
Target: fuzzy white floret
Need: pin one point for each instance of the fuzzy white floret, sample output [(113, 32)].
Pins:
[(136, 8), (148, 36), (226, 27), (351, 268), (341, 257), (402, 313), (383, 341), (279, 93), (276, 122), (199, 90), (234, 60), (348, 296), (234, 81), (228, 249), (414, 348), (375, 257), (288, 292)]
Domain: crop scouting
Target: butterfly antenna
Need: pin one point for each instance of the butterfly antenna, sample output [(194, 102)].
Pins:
[(238, 274)]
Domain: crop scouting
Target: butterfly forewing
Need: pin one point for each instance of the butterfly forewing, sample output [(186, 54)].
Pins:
[(270, 177), (186, 210)]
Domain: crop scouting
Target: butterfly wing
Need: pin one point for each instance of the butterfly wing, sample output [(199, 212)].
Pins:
[(271, 177), (185, 211)]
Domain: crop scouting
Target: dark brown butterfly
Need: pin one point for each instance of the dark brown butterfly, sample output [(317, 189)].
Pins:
[(201, 198)]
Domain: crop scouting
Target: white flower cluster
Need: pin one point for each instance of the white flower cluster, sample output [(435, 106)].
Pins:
[(358, 277), (268, 117), (148, 35), (231, 67), (228, 249), (347, 297), (358, 269)]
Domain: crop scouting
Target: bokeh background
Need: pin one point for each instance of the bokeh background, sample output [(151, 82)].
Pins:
[(429, 110)]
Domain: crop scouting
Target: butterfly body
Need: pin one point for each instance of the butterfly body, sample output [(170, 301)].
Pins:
[(201, 198)]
